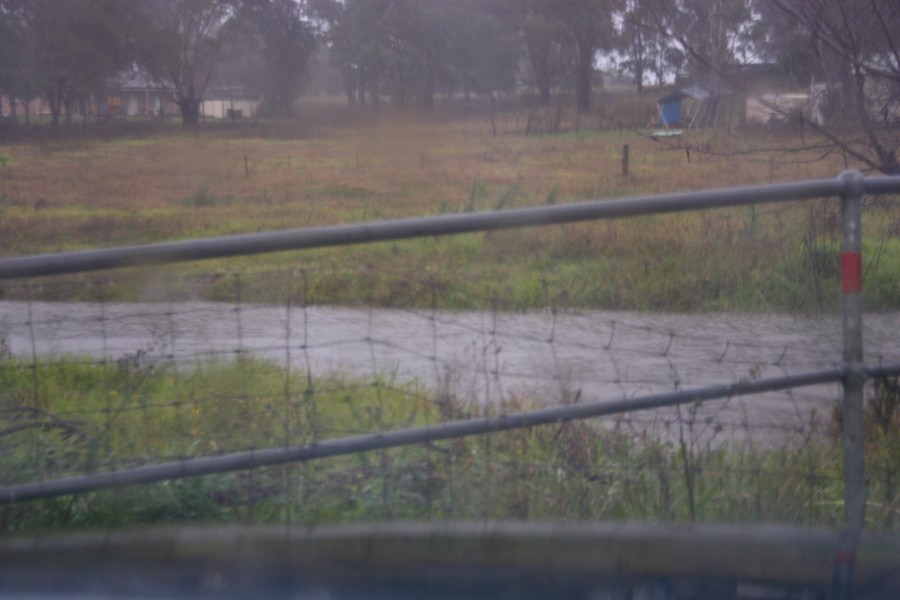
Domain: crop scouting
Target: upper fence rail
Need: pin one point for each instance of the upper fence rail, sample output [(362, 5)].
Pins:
[(341, 235)]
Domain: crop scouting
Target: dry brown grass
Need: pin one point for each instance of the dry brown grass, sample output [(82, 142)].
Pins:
[(400, 163)]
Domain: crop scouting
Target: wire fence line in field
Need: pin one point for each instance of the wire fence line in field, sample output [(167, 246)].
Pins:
[(101, 394)]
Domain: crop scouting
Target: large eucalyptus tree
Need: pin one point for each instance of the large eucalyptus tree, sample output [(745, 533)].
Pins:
[(180, 44), (855, 46), (270, 44)]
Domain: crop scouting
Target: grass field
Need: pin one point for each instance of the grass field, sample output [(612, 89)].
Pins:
[(338, 166)]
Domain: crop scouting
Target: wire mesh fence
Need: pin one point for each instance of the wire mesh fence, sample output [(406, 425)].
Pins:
[(268, 405), (103, 386)]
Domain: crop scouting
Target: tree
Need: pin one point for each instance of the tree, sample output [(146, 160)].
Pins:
[(180, 45), (573, 30), (857, 44), (417, 44), (645, 49), (273, 45), (584, 27), (544, 40), (414, 49), (71, 45), (357, 34), (481, 49), (590, 23), (12, 52), (784, 42), (711, 34)]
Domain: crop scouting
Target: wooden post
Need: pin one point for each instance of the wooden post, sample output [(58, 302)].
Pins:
[(625, 160)]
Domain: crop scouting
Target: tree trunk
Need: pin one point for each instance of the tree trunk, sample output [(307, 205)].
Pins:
[(540, 62), (428, 92), (69, 104), (639, 57), (350, 85), (55, 108), (544, 91), (584, 68), (376, 90), (363, 84), (56, 96), (190, 112)]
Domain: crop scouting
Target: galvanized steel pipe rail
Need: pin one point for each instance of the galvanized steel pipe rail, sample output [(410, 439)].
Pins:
[(402, 437), (339, 235)]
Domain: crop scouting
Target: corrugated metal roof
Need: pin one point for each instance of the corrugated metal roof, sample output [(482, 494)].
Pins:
[(672, 96), (135, 79)]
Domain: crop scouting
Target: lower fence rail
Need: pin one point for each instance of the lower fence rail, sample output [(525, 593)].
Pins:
[(403, 437)]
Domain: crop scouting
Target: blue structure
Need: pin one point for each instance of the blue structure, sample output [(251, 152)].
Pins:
[(670, 109)]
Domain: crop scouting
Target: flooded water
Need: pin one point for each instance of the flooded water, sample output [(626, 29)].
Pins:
[(503, 360)]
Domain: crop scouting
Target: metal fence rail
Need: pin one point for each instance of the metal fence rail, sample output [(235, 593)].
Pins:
[(605, 558), (403, 437), (340, 235)]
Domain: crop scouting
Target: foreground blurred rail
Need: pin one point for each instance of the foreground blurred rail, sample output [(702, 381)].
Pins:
[(475, 560)]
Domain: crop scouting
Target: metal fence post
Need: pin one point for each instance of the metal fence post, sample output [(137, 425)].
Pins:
[(853, 381)]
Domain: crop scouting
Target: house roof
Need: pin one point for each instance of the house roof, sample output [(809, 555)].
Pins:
[(138, 80), (229, 92), (135, 80)]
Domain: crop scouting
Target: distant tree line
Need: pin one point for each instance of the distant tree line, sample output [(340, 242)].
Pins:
[(66, 50), (412, 52)]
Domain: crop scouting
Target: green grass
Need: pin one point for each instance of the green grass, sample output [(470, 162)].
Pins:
[(69, 417), (683, 263)]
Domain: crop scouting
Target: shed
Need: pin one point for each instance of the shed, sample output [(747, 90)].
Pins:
[(229, 102), (670, 109), (707, 106)]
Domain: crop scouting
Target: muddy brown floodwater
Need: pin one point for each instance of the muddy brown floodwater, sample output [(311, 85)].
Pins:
[(498, 359)]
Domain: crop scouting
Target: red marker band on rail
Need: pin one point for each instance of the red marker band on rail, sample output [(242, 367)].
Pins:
[(851, 272)]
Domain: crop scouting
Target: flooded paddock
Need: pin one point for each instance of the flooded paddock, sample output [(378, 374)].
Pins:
[(502, 360)]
